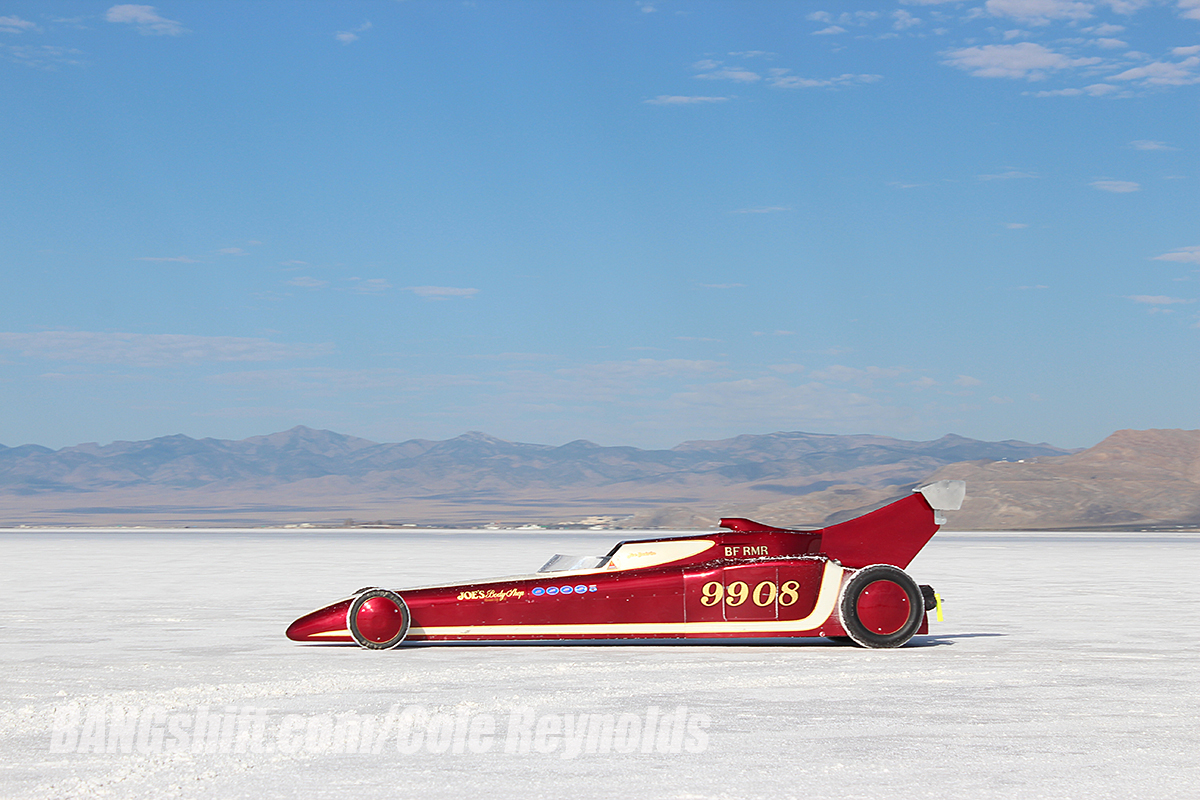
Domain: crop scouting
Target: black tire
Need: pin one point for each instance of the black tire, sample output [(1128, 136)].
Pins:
[(853, 591), (930, 596), (391, 624)]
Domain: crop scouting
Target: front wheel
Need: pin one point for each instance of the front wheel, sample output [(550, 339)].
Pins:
[(378, 619), (881, 606)]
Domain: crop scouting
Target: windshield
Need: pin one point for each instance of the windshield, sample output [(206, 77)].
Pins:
[(564, 563)]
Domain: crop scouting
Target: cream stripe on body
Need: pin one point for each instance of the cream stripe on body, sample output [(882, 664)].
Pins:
[(830, 587)]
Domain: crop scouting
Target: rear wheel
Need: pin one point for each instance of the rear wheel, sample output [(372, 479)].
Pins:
[(378, 619), (881, 606)]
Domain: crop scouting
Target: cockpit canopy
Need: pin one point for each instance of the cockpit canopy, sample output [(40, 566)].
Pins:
[(565, 563)]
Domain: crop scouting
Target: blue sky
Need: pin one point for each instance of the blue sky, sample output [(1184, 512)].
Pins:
[(631, 222)]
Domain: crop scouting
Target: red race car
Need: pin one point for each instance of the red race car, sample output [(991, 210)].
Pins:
[(750, 581)]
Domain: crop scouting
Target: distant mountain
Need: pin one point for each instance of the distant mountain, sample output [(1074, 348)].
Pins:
[(1133, 480), (304, 475)]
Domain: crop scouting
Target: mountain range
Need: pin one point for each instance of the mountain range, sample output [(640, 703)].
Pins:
[(306, 476)]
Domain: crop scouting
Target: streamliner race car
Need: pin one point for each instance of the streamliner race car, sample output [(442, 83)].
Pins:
[(749, 581)]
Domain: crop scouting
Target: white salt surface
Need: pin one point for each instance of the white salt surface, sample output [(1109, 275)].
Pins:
[(1066, 668)]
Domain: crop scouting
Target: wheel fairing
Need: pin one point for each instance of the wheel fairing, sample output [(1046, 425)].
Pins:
[(378, 619), (881, 606)]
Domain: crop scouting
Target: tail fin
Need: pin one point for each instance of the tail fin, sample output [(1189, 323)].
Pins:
[(895, 533)]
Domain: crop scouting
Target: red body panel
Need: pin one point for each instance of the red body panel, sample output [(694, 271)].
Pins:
[(893, 534), (752, 581)]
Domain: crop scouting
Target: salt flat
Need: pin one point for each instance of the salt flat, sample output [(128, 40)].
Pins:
[(1065, 668)]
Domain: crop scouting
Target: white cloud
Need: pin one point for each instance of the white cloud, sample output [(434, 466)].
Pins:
[(231, 251), (1147, 144), (753, 54), (1186, 255), (777, 76), (1189, 9), (440, 292), (1110, 44), (1117, 187), (902, 20), (74, 22), (683, 100), (346, 37), (147, 20), (736, 74), (16, 25), (1104, 29), (1186, 51), (1158, 300), (782, 80), (849, 17), (1127, 6), (1163, 73), (371, 285), (152, 350), (646, 8), (1023, 60), (1016, 226), (44, 56), (967, 380), (1039, 12), (1094, 90), (830, 31)]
